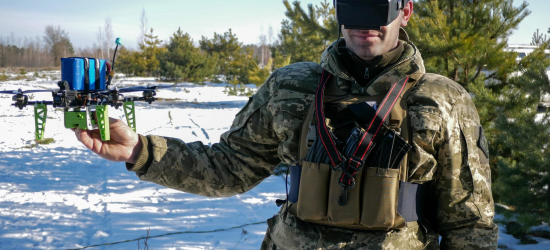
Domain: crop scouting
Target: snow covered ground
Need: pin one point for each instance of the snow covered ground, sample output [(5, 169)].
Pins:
[(61, 196)]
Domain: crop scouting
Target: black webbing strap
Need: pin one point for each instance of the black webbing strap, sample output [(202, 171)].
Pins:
[(354, 163), (97, 80), (324, 134), (86, 75)]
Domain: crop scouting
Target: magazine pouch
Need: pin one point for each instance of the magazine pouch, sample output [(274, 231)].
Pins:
[(313, 196), (380, 199)]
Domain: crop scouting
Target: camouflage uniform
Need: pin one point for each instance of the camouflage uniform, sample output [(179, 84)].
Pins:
[(448, 147)]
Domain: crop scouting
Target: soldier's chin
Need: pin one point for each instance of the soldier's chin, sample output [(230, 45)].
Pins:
[(365, 52)]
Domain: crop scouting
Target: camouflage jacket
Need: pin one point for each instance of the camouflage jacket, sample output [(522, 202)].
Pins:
[(448, 147)]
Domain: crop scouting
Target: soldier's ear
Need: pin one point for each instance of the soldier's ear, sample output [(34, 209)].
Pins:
[(407, 13)]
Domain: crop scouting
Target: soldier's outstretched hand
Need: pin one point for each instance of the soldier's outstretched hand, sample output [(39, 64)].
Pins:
[(124, 145)]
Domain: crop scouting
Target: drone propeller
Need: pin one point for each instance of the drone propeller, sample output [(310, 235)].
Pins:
[(20, 92), (142, 88)]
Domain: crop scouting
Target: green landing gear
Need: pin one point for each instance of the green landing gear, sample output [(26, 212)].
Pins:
[(102, 115), (130, 112), (90, 119), (40, 115)]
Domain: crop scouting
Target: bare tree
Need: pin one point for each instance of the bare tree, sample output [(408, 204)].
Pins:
[(109, 36), (99, 37), (270, 35), (143, 27), (264, 47), (58, 43), (24, 52), (263, 54)]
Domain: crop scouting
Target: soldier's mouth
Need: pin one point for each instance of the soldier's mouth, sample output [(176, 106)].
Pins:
[(365, 36)]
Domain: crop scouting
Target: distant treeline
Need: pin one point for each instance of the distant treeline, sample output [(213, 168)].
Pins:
[(28, 53), (222, 58), (304, 35)]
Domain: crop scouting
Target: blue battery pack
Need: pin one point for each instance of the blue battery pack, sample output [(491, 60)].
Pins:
[(75, 70)]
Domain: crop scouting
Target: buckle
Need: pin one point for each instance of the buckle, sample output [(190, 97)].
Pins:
[(340, 166), (358, 162), (351, 180)]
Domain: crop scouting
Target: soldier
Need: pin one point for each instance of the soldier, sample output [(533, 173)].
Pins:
[(377, 200)]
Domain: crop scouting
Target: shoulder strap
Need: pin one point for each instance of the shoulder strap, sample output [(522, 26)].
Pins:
[(365, 143), (308, 132), (351, 165)]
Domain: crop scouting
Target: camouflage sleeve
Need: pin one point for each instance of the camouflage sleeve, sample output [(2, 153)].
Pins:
[(245, 155), (465, 210), (450, 148), (264, 133)]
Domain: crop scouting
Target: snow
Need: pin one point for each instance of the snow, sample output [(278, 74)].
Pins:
[(62, 196)]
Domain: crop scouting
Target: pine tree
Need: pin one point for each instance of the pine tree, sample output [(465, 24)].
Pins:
[(462, 38), (130, 62), (124, 61), (148, 56), (182, 60), (465, 41), (538, 38), (244, 65), (258, 75), (523, 140), (234, 62), (227, 47), (305, 34)]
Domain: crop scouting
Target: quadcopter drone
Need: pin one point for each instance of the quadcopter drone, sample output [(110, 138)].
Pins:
[(84, 95)]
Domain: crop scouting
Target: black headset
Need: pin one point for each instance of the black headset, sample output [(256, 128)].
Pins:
[(367, 14)]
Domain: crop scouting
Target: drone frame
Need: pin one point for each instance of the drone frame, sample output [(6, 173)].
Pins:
[(85, 109)]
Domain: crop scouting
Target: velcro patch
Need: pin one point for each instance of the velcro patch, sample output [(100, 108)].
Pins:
[(482, 142)]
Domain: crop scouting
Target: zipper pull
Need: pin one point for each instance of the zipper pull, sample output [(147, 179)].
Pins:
[(367, 75)]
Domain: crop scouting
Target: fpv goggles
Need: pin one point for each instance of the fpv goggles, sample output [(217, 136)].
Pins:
[(367, 14)]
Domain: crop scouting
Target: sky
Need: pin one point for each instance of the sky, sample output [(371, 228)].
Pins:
[(248, 19)]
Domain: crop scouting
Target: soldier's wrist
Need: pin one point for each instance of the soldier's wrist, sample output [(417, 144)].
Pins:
[(140, 154)]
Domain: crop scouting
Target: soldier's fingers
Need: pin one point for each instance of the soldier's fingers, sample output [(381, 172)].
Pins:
[(114, 120), (84, 138), (77, 134)]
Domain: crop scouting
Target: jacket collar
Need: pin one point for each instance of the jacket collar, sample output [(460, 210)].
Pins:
[(410, 64)]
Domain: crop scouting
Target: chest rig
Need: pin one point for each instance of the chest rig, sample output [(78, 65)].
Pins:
[(358, 178)]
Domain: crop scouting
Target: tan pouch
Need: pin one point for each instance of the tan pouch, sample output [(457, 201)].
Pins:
[(380, 197), (313, 195), (348, 214)]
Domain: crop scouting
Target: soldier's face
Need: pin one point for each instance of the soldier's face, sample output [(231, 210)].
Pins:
[(368, 44)]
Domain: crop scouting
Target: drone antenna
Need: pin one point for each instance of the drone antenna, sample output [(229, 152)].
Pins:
[(113, 64)]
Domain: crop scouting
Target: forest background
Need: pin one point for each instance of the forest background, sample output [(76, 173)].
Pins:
[(462, 39)]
